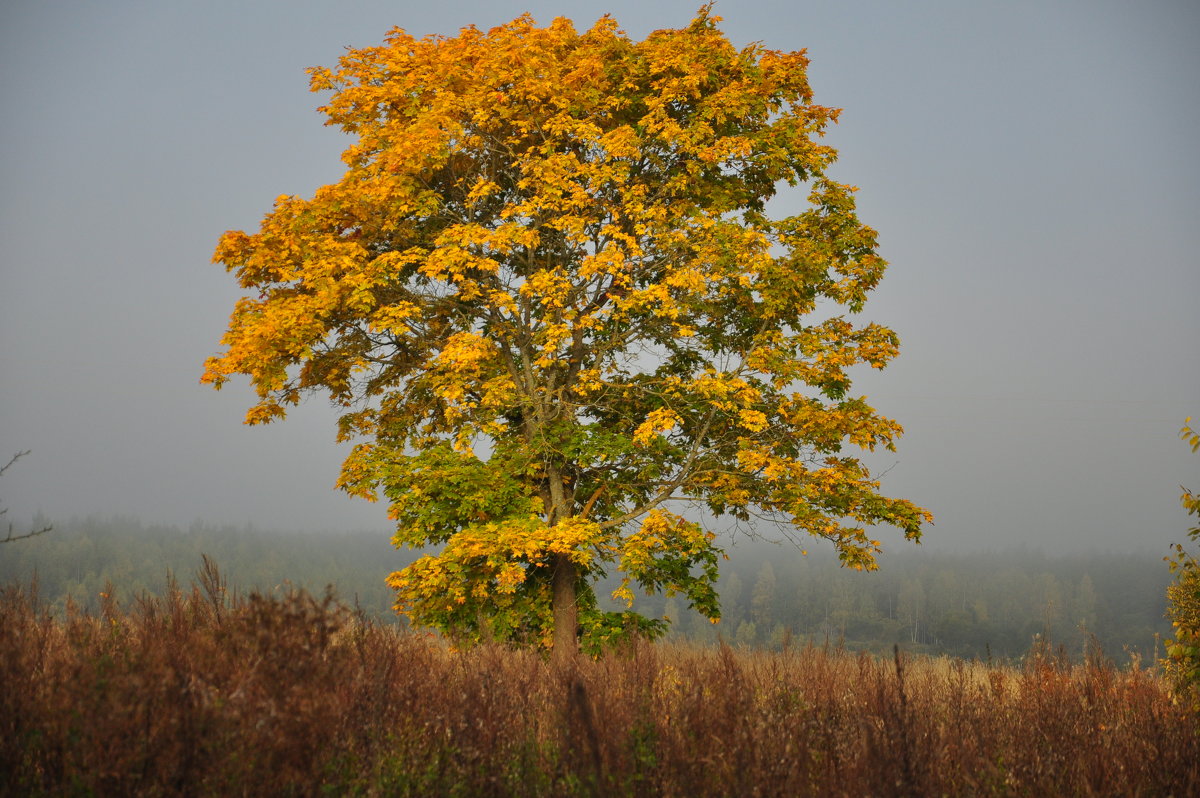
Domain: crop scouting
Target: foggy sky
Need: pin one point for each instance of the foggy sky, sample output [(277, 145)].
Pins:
[(1031, 168)]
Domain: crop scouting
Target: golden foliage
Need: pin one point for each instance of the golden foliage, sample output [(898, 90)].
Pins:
[(553, 247)]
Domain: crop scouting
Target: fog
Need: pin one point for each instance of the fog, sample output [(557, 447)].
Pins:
[(1032, 172)]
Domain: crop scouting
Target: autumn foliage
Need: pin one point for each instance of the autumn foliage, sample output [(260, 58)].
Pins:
[(553, 305), (1182, 662)]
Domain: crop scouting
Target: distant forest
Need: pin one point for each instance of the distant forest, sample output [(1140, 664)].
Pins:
[(985, 605)]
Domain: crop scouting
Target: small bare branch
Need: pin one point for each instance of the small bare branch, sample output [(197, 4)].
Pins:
[(14, 459), (11, 537)]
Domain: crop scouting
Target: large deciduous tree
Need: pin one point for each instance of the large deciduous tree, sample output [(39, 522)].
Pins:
[(550, 300)]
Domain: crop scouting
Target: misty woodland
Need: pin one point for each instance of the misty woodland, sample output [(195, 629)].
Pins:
[(571, 343)]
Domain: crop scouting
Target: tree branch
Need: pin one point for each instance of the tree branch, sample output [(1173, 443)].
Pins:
[(669, 488), (10, 537)]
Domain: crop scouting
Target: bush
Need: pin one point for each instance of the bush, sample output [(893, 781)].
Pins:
[(1182, 663)]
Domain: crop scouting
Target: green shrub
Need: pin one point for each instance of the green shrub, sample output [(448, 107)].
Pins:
[(1182, 664)]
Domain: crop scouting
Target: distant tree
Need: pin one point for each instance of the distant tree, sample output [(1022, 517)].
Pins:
[(548, 295), (1183, 599), (1083, 606), (910, 608), (762, 602), (12, 536), (746, 634)]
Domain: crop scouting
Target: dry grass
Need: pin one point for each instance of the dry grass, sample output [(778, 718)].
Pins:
[(202, 694)]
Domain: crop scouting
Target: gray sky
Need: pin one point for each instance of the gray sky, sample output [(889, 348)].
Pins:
[(1031, 167)]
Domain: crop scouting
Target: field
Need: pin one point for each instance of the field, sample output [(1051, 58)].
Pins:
[(199, 692)]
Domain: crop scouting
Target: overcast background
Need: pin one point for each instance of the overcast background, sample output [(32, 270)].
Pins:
[(1031, 167)]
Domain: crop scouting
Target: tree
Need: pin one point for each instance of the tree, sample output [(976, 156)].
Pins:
[(910, 608), (11, 537), (762, 603), (1182, 664), (554, 311)]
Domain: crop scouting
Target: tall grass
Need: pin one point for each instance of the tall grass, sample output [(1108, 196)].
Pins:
[(202, 693)]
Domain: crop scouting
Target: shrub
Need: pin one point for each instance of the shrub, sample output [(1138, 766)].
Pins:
[(1182, 663)]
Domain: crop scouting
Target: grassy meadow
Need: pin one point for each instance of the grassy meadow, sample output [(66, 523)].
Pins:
[(200, 692)]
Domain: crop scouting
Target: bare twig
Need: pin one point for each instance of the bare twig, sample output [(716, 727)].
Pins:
[(11, 537)]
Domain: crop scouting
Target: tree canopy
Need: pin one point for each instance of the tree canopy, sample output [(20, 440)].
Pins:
[(555, 311)]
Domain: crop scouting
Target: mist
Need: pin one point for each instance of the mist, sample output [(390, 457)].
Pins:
[(1031, 171)]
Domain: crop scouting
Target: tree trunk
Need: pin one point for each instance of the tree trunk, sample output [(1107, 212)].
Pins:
[(565, 610)]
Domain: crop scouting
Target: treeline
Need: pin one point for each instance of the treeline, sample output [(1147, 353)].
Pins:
[(81, 557), (996, 605), (984, 605)]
